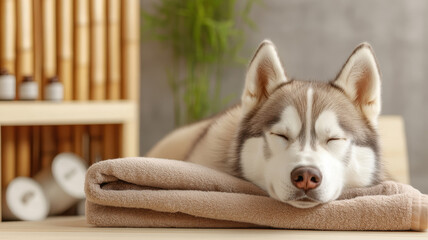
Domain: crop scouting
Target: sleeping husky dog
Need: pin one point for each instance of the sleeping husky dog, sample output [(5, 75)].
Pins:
[(303, 142)]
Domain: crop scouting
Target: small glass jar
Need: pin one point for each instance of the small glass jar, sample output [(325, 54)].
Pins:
[(7, 85), (54, 90), (28, 89)]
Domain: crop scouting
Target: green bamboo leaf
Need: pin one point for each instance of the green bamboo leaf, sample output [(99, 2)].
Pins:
[(206, 37)]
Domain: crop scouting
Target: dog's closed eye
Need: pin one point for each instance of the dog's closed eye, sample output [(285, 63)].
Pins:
[(330, 140), (281, 136)]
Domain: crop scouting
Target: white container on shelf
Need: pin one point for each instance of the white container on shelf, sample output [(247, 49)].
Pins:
[(54, 90), (63, 183), (28, 89), (24, 199), (7, 86)]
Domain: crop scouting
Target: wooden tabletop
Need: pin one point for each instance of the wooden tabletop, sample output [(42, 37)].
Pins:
[(77, 228)]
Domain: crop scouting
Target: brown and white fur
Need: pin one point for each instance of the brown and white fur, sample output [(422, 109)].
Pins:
[(282, 124)]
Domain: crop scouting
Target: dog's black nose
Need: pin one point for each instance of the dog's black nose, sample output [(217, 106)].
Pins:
[(306, 178)]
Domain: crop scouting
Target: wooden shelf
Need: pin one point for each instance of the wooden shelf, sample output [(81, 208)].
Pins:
[(67, 112), (77, 228), (123, 112)]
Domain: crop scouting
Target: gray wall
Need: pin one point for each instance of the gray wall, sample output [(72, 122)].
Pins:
[(314, 38)]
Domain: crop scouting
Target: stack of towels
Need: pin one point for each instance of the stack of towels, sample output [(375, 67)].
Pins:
[(149, 192)]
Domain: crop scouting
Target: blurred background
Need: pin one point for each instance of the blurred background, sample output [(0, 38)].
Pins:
[(313, 38)]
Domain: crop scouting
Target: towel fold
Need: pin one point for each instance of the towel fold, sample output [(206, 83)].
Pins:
[(149, 192)]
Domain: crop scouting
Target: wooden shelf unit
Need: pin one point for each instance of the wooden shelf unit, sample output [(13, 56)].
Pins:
[(93, 47), (122, 112)]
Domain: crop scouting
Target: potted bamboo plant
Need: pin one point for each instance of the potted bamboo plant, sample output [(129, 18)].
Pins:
[(205, 36)]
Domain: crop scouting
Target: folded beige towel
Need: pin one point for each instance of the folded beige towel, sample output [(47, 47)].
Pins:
[(148, 192)]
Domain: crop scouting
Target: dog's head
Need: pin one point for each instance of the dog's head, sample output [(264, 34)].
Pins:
[(304, 142)]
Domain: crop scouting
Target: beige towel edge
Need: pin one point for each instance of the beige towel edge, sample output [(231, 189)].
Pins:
[(154, 219), (419, 213)]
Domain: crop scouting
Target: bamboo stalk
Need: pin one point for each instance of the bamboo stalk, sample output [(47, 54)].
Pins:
[(120, 150), (1, 157), (97, 72), (113, 49), (8, 164), (130, 49), (65, 46), (130, 65), (78, 132), (98, 50), (35, 150), (65, 67), (7, 35), (48, 146), (96, 152), (81, 71), (49, 41), (24, 41), (38, 45), (81, 50), (23, 152), (86, 145), (113, 74), (64, 139), (110, 143)]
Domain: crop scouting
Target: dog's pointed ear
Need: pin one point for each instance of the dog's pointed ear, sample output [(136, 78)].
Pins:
[(360, 80), (264, 74)]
